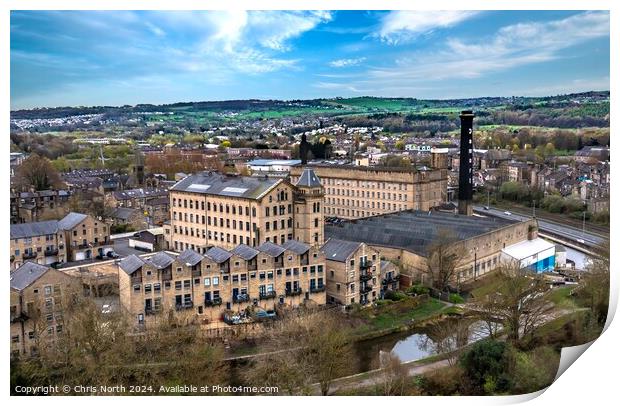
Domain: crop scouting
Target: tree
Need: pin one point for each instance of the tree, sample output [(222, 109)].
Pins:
[(485, 366), (393, 376), (448, 337), (400, 145), (39, 173), (444, 256), (595, 285), (303, 348), (519, 303)]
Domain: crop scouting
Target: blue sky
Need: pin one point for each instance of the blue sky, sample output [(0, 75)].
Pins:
[(62, 58)]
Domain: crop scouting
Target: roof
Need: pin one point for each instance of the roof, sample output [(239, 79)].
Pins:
[(271, 249), (26, 230), (124, 213), (131, 264), (218, 254), (71, 220), (212, 183), (413, 230), (308, 179), (190, 257), (528, 248), (27, 274), (140, 193), (245, 251), (160, 260), (297, 247), (339, 250)]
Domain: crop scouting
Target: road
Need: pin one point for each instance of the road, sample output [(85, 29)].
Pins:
[(561, 230)]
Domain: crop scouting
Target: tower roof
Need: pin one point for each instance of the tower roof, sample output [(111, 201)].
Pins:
[(308, 179)]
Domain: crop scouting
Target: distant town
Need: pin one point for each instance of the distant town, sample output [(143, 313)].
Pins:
[(295, 245)]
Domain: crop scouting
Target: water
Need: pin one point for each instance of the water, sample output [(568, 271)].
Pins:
[(414, 345)]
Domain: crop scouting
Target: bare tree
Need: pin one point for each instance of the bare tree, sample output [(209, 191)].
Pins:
[(595, 288), (303, 348), (444, 257), (37, 172), (393, 376), (447, 337), (520, 303)]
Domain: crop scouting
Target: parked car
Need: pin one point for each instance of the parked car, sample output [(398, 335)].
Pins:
[(106, 309), (265, 314), (112, 254), (507, 213)]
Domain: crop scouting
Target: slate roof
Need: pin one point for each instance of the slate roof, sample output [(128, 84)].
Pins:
[(26, 230), (271, 249), (218, 254), (71, 220), (339, 250), (160, 260), (123, 213), (212, 183), (140, 193), (27, 274), (190, 256), (131, 264), (297, 247), (308, 179), (245, 251), (413, 230)]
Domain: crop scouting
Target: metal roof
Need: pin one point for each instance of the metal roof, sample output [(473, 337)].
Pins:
[(271, 249), (212, 183), (413, 230), (26, 230), (218, 254), (308, 179), (297, 247), (27, 274), (339, 250), (245, 251), (71, 220), (131, 264), (190, 257)]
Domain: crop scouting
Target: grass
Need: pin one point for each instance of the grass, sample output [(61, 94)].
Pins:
[(485, 285), (561, 297), (399, 314)]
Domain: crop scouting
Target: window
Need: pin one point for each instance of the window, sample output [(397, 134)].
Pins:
[(177, 285), (47, 290), (136, 288), (216, 280), (157, 287), (207, 281), (147, 288), (187, 283)]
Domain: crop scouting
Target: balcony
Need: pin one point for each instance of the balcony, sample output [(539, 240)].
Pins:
[(293, 292), (241, 298), (267, 295), (366, 289), (166, 275), (215, 302), (365, 277), (318, 289), (29, 255), (365, 264), (196, 273), (50, 253), (135, 280), (391, 279), (185, 306)]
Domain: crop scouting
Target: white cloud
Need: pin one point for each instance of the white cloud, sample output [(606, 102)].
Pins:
[(344, 63), (402, 26), (511, 47)]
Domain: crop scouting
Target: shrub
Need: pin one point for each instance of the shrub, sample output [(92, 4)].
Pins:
[(456, 298), (485, 366), (418, 290), (395, 296)]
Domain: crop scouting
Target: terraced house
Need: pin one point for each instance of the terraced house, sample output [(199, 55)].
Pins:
[(203, 288), (39, 295), (75, 237), (211, 209)]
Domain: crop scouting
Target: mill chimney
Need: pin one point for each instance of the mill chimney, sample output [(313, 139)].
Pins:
[(466, 159)]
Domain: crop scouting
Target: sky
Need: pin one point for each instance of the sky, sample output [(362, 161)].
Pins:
[(88, 58)]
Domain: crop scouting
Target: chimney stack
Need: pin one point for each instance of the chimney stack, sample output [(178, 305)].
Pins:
[(466, 160)]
